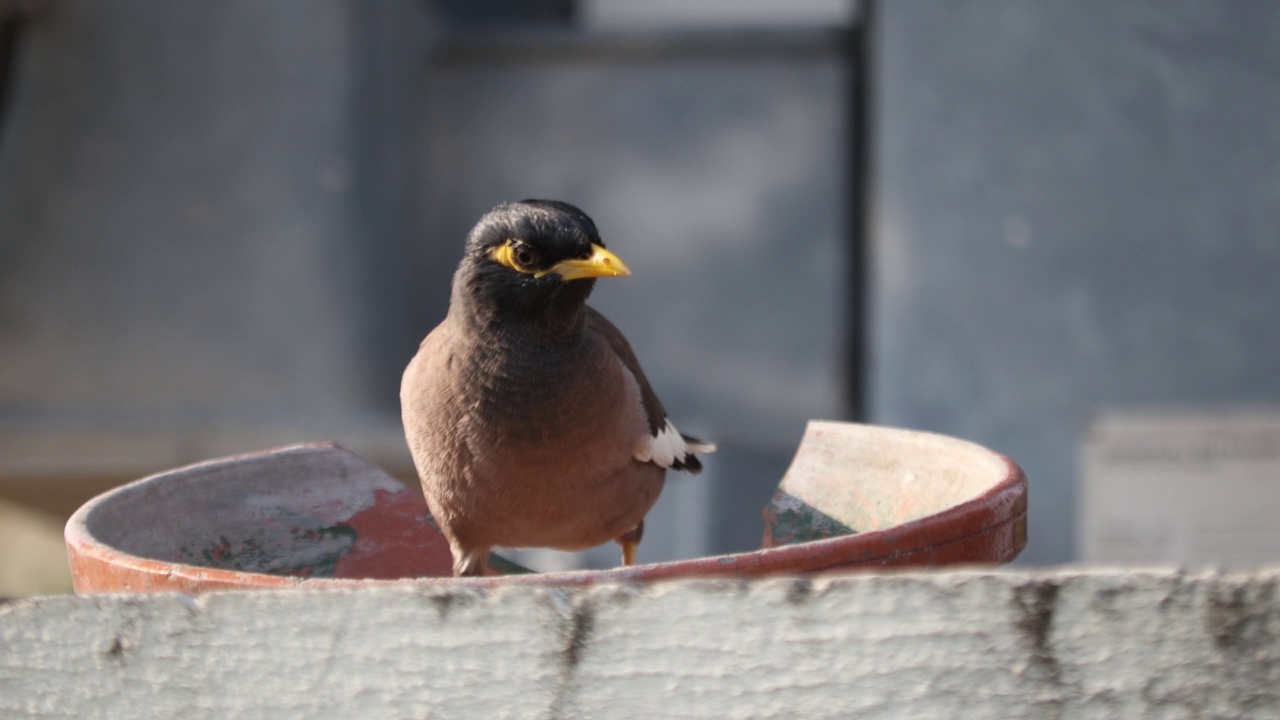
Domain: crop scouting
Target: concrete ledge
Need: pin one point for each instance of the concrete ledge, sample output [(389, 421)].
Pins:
[(924, 645)]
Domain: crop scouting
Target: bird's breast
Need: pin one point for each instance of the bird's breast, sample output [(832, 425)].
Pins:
[(531, 446), (545, 405)]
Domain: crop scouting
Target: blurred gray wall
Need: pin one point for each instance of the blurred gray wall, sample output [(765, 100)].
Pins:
[(207, 219), (225, 226), (1075, 208), (240, 217)]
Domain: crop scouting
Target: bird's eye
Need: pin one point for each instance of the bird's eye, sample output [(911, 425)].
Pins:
[(524, 255)]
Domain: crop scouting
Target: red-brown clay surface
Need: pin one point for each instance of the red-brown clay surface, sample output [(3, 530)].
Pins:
[(320, 516)]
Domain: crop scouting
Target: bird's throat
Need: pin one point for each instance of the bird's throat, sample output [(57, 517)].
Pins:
[(546, 311)]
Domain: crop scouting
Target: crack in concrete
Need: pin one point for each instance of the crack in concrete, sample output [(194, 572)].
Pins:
[(1036, 604), (578, 630)]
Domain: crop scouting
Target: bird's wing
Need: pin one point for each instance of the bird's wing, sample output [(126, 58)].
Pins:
[(666, 446)]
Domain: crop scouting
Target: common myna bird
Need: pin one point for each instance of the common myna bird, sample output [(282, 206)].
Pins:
[(529, 419)]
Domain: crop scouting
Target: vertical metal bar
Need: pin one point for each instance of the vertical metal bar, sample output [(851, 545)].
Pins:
[(14, 16), (857, 217), (10, 36)]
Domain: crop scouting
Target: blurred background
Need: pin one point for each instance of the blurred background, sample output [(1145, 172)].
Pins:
[(1050, 228)]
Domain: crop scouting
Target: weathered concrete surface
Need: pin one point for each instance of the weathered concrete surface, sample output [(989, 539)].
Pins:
[(1077, 644)]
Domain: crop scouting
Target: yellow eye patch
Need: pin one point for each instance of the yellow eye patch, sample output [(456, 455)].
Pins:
[(508, 255), (601, 262)]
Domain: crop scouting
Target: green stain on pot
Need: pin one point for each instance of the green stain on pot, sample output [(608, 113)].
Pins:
[(788, 520), (298, 550)]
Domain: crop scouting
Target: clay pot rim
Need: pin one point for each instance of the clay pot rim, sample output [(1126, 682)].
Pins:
[(876, 547)]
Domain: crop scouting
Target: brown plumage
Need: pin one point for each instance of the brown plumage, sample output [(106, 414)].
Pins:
[(529, 419)]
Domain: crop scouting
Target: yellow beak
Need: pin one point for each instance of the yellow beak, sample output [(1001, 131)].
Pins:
[(601, 263)]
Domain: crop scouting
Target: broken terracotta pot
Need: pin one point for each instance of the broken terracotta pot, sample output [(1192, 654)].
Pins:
[(855, 497)]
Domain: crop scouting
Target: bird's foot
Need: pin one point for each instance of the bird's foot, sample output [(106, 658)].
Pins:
[(630, 542), (471, 564)]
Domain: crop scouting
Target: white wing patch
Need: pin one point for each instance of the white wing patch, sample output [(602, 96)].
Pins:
[(668, 446)]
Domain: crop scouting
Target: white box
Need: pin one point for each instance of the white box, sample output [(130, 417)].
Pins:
[(1187, 487)]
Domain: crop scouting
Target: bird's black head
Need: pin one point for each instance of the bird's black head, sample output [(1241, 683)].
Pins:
[(534, 260)]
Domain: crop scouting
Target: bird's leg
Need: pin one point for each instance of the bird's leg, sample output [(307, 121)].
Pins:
[(470, 563), (630, 542)]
